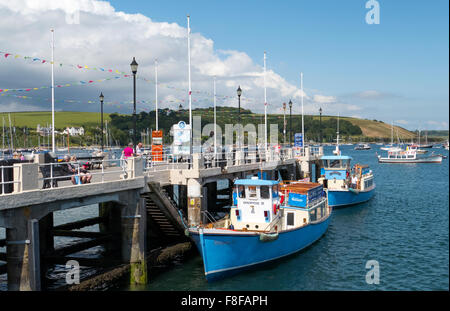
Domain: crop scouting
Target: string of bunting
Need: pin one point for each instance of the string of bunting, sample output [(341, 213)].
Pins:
[(114, 71)]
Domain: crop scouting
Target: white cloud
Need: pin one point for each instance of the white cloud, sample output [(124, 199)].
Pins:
[(109, 39)]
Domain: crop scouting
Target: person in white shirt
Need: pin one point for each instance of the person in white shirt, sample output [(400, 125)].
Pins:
[(354, 181), (138, 149)]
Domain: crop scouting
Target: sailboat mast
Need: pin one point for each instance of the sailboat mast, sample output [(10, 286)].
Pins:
[(10, 133)]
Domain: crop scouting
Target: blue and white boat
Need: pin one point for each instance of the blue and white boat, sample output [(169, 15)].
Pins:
[(346, 185), (268, 220)]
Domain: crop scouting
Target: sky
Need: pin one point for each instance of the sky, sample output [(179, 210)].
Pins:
[(394, 71)]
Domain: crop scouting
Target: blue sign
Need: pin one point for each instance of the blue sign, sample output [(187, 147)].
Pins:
[(298, 140)]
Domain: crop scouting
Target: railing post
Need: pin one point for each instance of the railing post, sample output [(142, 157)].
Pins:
[(135, 167), (197, 161), (27, 175)]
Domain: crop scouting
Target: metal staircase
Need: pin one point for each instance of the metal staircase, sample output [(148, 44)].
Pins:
[(163, 213)]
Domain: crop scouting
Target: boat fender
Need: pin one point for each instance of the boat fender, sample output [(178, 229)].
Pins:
[(282, 199), (268, 237), (274, 209), (186, 232)]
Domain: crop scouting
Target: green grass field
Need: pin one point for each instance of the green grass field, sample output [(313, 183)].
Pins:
[(62, 118)]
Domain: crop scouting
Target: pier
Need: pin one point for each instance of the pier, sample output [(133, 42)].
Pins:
[(139, 199)]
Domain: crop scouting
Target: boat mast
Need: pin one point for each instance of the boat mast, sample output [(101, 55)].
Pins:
[(11, 146)]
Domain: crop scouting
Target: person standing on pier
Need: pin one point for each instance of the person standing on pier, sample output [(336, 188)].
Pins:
[(128, 151), (139, 149)]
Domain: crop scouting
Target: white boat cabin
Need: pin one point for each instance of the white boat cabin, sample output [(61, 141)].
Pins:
[(337, 174)]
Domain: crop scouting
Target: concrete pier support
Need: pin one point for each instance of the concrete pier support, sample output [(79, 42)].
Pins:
[(194, 193), (23, 256), (134, 222), (110, 211)]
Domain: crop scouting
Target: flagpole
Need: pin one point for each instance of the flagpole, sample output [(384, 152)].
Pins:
[(189, 79), (53, 92), (265, 104), (215, 121), (303, 122), (156, 91)]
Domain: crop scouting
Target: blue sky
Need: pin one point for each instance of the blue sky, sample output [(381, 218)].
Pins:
[(394, 71), (405, 57)]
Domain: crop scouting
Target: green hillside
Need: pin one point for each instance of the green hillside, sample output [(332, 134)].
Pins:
[(63, 119)]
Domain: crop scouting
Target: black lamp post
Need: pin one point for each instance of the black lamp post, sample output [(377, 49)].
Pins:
[(290, 123), (239, 93), (320, 125), (101, 109), (134, 67)]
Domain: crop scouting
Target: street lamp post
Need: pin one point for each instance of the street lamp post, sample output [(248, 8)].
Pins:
[(320, 125), (239, 93), (290, 123), (101, 109), (284, 123), (134, 66)]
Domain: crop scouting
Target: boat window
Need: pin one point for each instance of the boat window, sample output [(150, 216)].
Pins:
[(241, 192), (275, 191), (251, 192), (290, 219), (335, 163), (325, 163), (265, 192)]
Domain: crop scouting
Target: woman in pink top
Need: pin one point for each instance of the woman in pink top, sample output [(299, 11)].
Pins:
[(128, 151)]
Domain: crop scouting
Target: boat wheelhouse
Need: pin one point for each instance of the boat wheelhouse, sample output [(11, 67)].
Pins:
[(346, 185), (268, 221)]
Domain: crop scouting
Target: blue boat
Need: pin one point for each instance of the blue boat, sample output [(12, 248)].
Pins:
[(268, 220), (346, 185)]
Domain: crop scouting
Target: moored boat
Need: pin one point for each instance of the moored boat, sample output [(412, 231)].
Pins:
[(408, 156), (267, 221), (346, 185), (362, 147)]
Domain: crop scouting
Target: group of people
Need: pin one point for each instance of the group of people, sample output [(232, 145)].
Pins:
[(129, 151), (79, 172)]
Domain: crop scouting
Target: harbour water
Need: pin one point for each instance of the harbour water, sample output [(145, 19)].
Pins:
[(405, 227)]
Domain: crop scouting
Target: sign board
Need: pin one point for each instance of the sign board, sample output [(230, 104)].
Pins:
[(298, 140), (157, 146), (181, 138)]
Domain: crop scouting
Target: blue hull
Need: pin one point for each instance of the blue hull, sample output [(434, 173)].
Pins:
[(343, 198), (226, 254)]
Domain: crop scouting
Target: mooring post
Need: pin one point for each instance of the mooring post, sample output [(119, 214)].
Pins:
[(134, 237), (23, 255)]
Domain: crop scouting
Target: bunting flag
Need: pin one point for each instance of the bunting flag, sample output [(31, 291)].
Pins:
[(113, 71)]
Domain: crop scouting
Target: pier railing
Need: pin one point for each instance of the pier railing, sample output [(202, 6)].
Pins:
[(33, 176)]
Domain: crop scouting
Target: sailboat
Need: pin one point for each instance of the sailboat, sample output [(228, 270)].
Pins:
[(391, 146), (426, 145)]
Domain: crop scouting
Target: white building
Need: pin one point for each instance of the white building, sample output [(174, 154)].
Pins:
[(74, 131)]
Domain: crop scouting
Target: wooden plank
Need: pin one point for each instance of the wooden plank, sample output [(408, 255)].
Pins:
[(78, 234), (81, 246), (81, 223)]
